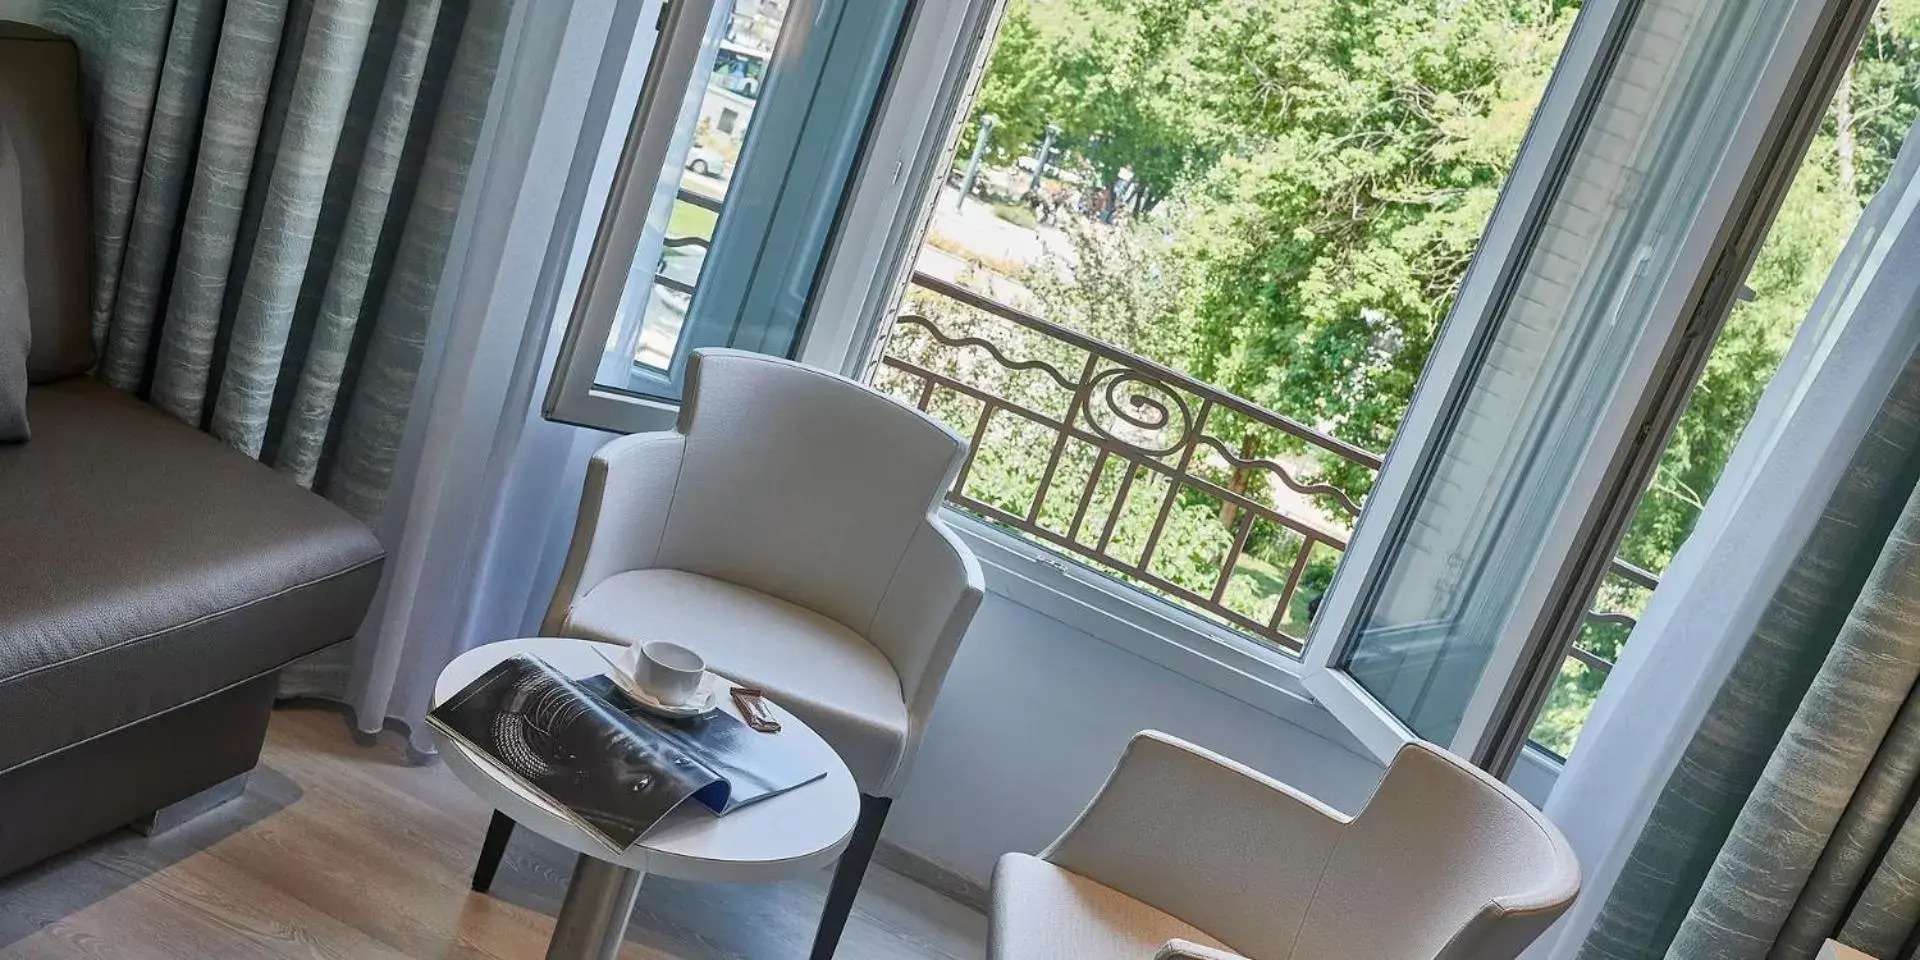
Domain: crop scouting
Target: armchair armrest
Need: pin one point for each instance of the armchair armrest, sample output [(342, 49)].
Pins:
[(623, 515), (921, 619), (1177, 949), (1198, 836)]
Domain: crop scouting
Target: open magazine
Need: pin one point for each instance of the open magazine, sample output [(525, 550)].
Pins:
[(617, 770)]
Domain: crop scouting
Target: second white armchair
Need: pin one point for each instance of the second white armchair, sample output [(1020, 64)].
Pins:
[(1186, 855)]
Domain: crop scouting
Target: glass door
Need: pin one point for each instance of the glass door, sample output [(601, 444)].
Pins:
[(749, 119)]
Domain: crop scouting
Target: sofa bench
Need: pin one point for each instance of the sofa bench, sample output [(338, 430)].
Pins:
[(153, 581)]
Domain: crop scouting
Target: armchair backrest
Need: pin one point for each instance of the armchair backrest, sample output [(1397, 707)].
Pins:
[(803, 485), (1208, 840), (40, 108), (1444, 862)]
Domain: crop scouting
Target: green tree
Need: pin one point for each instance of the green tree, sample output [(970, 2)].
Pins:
[(1328, 255), (1115, 76)]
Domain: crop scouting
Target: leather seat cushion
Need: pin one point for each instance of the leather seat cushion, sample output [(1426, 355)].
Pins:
[(1043, 911), (144, 564), (827, 675)]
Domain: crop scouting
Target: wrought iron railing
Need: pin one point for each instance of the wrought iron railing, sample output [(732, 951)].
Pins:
[(1101, 426), (1145, 427), (660, 276), (1638, 581)]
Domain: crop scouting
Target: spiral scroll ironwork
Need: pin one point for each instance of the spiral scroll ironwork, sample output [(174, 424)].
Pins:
[(1140, 410)]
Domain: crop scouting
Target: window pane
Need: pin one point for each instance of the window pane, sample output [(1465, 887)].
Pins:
[(1848, 162), (736, 228), (685, 208), (1557, 352)]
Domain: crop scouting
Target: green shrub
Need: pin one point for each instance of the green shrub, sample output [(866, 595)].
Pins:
[(1016, 214)]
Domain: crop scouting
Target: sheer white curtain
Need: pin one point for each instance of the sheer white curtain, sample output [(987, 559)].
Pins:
[(1860, 333), (485, 495)]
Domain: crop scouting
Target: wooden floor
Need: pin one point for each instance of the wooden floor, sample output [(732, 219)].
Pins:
[(340, 851)]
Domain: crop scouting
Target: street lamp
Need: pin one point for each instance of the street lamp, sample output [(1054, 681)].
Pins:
[(1040, 162), (973, 163)]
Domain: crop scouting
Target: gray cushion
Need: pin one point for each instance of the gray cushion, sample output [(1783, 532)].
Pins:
[(147, 564), (16, 330), (40, 105)]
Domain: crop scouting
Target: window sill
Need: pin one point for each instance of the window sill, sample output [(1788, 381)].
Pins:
[(1110, 611)]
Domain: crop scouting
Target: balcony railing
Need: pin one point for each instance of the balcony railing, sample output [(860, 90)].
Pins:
[(695, 242), (1095, 448), (1638, 584), (1133, 427)]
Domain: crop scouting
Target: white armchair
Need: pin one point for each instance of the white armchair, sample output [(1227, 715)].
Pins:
[(1186, 855), (786, 529)]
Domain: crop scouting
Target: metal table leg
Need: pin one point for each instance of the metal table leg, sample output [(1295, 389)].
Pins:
[(593, 918)]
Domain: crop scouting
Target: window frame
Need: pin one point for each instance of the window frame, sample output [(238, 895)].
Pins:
[(1518, 217), (1836, 31), (573, 396), (912, 138)]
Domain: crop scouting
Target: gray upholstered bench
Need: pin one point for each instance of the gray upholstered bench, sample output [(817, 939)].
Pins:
[(152, 580)]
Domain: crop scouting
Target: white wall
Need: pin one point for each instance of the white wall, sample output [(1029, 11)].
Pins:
[(25, 11), (1032, 717)]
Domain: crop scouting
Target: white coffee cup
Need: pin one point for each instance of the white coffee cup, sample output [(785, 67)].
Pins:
[(667, 672)]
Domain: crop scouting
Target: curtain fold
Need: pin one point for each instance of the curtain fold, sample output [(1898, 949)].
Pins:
[(277, 185), (369, 439), (130, 41), (1813, 779), (230, 136), (173, 127), (258, 227), (327, 64), (309, 420)]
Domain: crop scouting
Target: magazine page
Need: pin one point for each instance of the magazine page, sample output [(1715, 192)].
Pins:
[(539, 725), (753, 765)]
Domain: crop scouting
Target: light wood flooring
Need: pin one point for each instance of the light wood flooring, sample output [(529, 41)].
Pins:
[(342, 851)]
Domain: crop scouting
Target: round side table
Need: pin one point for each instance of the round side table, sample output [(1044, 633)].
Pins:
[(780, 837)]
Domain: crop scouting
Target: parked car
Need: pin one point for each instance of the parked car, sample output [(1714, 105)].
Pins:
[(706, 162)]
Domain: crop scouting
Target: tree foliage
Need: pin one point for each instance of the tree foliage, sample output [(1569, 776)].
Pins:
[(1114, 76), (1330, 252)]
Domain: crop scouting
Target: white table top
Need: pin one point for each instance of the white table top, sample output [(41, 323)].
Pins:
[(779, 837)]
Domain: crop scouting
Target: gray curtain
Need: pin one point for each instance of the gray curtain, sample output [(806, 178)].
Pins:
[(276, 187), (1790, 817)]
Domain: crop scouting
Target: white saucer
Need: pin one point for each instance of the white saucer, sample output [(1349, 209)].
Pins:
[(701, 702)]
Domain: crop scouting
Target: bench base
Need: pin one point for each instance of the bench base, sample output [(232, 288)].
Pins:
[(206, 801), (138, 773)]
